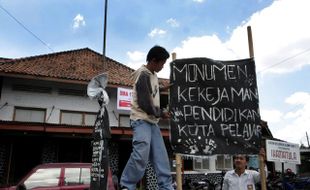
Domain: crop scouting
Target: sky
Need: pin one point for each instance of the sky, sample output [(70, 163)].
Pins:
[(215, 29)]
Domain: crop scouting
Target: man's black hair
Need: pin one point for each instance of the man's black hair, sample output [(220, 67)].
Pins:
[(158, 53)]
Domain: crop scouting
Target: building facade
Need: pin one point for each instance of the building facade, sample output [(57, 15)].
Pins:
[(46, 116)]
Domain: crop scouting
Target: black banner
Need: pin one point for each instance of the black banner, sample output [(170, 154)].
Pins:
[(100, 157), (214, 106)]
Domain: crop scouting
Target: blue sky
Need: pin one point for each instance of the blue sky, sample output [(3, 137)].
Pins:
[(191, 28)]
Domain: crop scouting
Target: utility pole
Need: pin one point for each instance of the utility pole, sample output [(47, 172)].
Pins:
[(105, 34), (307, 139)]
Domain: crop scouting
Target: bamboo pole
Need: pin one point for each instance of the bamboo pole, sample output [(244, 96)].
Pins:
[(174, 56), (178, 160), (250, 41), (261, 158), (178, 157), (262, 172)]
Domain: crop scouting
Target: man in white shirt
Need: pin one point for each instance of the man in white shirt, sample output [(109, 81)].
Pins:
[(240, 178)]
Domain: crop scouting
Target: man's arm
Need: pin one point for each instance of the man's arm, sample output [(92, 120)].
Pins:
[(144, 95), (257, 175), (165, 87)]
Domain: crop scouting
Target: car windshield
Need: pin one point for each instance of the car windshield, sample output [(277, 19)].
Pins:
[(45, 177)]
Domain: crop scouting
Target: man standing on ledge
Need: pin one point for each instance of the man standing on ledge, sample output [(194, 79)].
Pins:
[(148, 144), (240, 178)]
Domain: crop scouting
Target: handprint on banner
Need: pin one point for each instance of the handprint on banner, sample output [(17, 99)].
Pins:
[(203, 147), (210, 146), (191, 145), (175, 114)]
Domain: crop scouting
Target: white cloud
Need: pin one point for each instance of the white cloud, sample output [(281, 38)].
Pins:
[(279, 32), (295, 123), (135, 64), (204, 46), (271, 116), (173, 22), (157, 32), (298, 98), (137, 59), (78, 21), (199, 47), (136, 55), (164, 73)]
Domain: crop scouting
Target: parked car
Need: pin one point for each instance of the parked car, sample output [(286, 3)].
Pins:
[(58, 176)]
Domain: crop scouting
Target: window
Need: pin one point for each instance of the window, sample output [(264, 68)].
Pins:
[(224, 162), (124, 121), (31, 88), (46, 177), (71, 92), (89, 119), (78, 118), (202, 163), (29, 114), (77, 176)]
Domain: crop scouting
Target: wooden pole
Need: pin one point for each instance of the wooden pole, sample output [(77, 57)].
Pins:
[(178, 160), (250, 41), (262, 172), (261, 158), (178, 157), (174, 56)]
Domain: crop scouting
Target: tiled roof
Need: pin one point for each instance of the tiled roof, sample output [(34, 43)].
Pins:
[(3, 60), (78, 65)]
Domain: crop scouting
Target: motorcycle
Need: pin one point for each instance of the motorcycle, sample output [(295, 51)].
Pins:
[(289, 182), (206, 184), (203, 184)]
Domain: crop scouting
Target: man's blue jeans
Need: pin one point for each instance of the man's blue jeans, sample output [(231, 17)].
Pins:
[(148, 144)]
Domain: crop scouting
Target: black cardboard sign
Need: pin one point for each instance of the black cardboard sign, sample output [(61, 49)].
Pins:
[(214, 106)]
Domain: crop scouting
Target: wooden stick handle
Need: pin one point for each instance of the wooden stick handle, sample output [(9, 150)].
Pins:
[(262, 172), (250, 41), (261, 158), (178, 160), (178, 157)]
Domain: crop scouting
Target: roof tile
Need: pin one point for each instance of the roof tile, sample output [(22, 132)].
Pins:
[(81, 64)]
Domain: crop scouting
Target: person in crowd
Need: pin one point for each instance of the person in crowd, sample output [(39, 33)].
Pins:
[(240, 178), (148, 144)]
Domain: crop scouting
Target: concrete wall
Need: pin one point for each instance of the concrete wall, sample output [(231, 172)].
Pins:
[(53, 102)]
